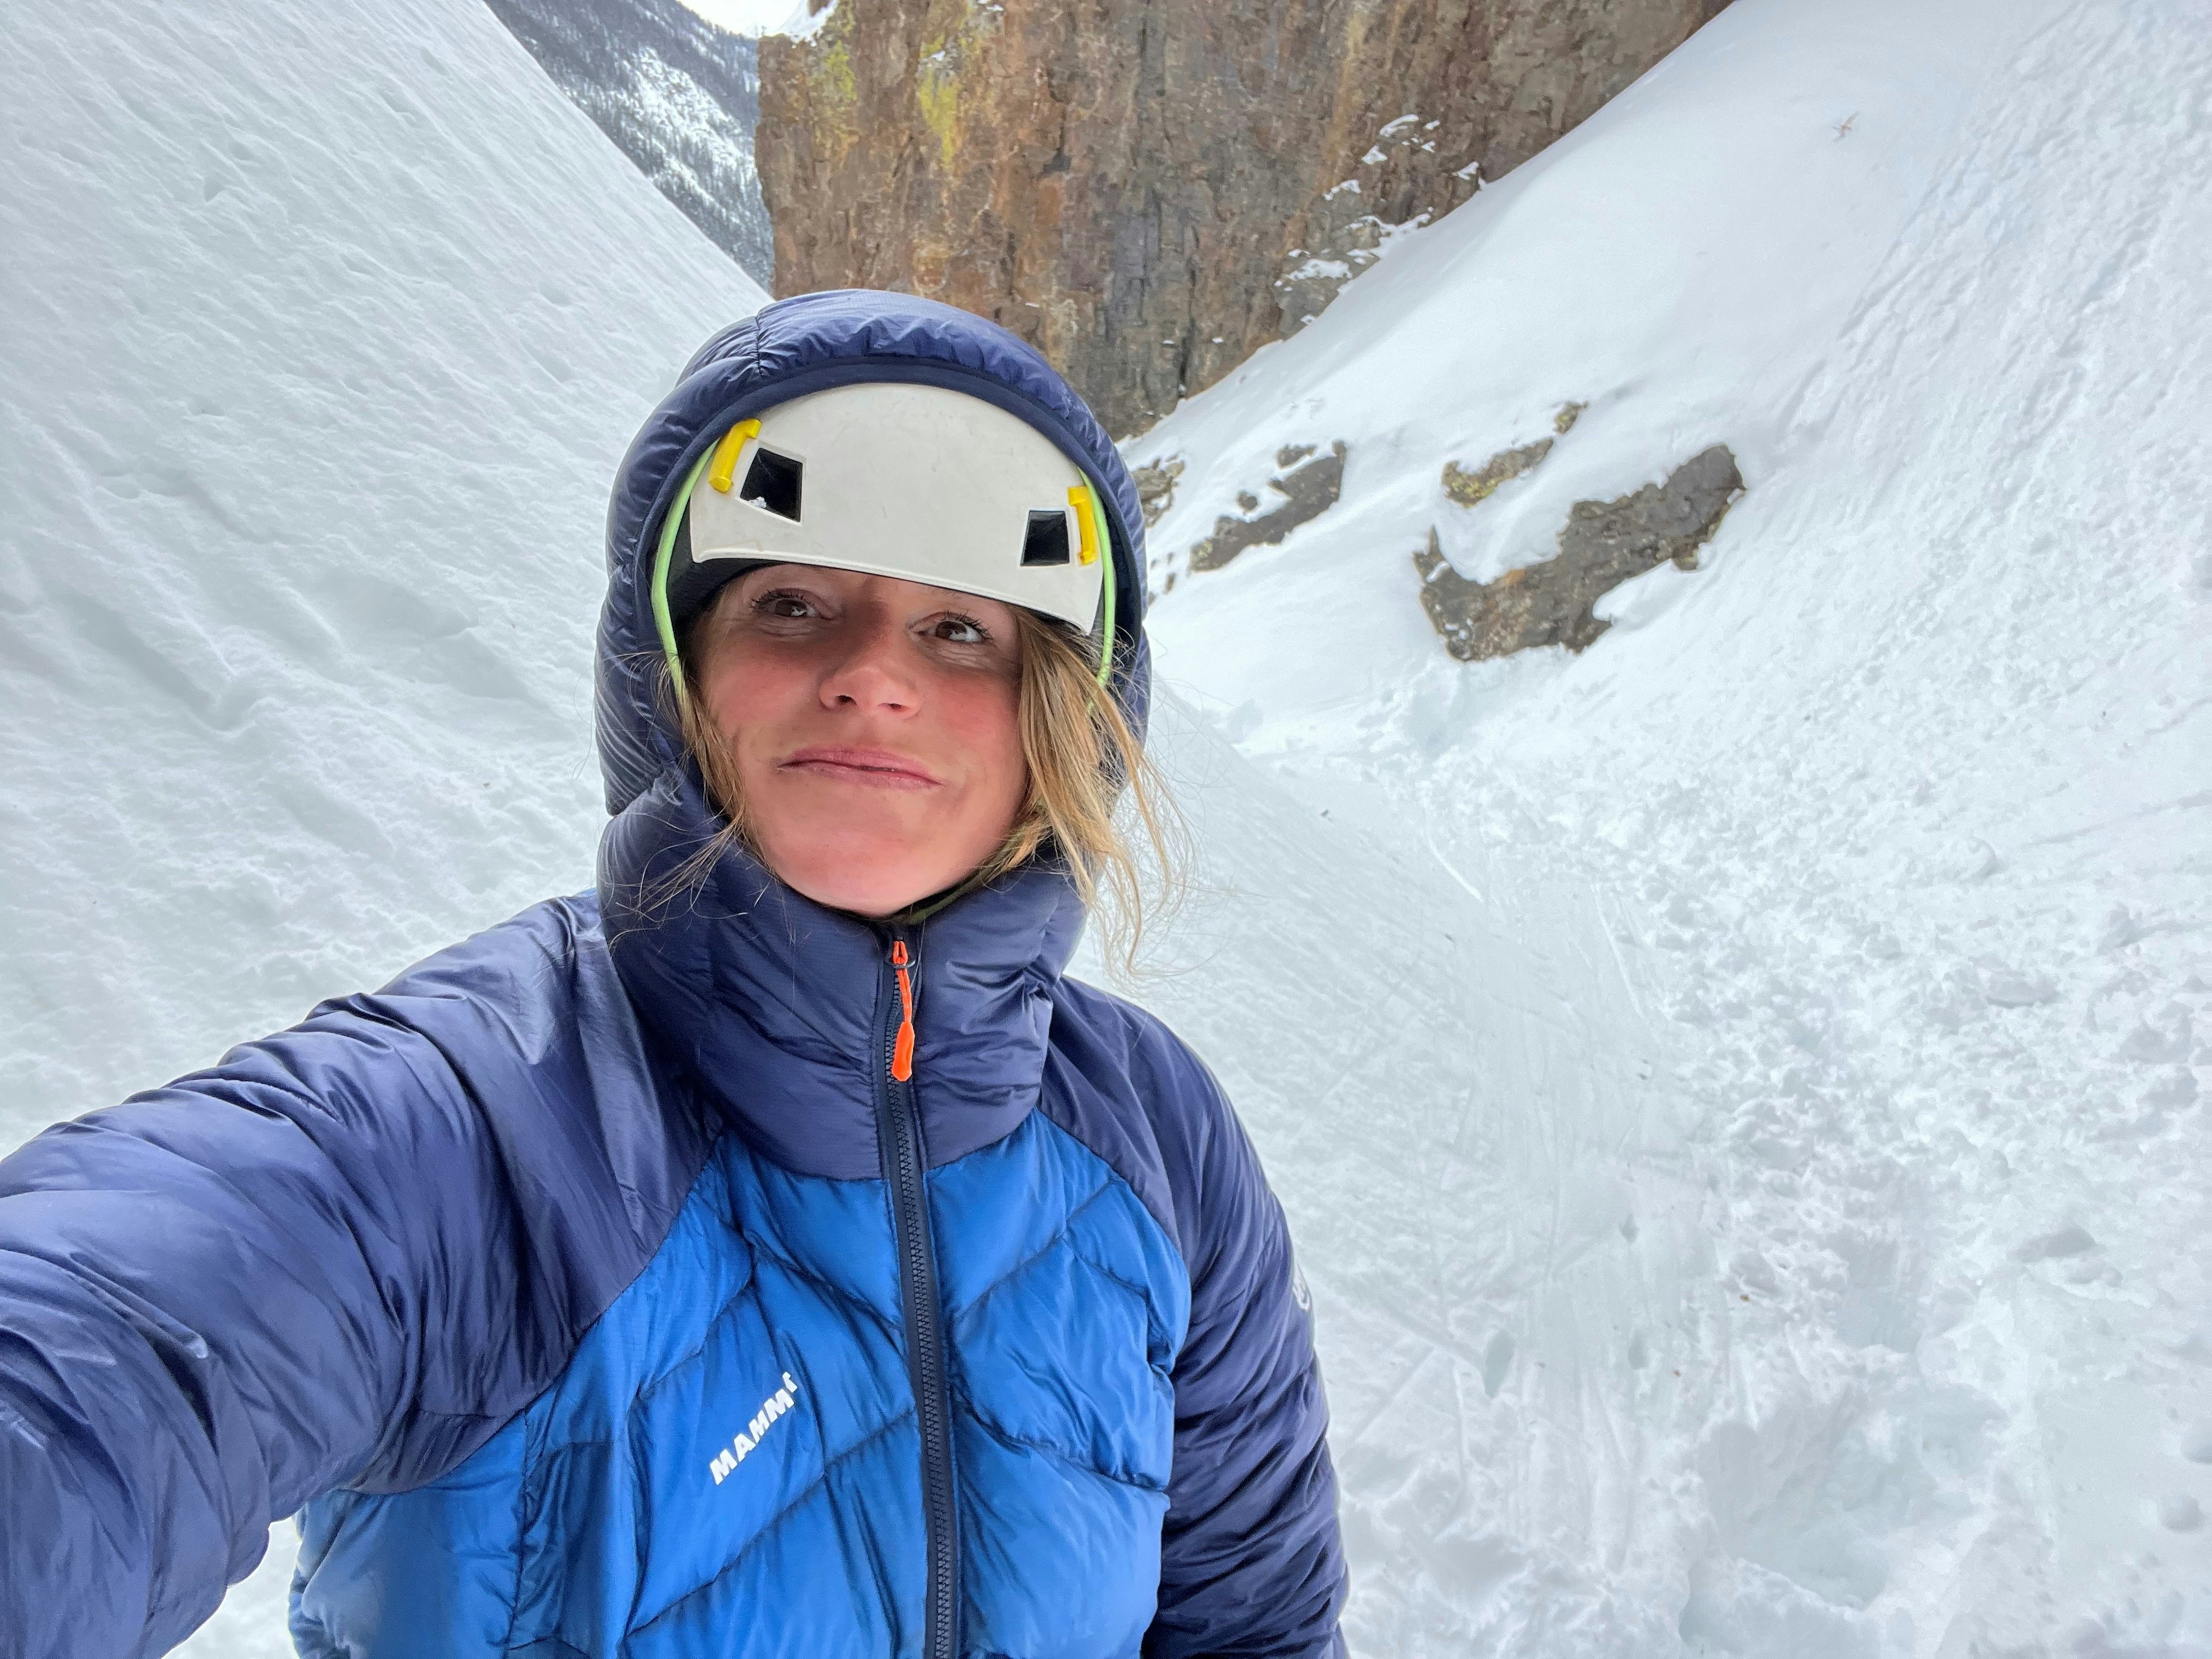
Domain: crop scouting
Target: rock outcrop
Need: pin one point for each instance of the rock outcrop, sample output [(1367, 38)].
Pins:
[(1308, 485), (1149, 190), (1601, 546), (1469, 488), (1156, 487)]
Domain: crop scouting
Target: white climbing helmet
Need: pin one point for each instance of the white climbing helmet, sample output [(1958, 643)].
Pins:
[(917, 481)]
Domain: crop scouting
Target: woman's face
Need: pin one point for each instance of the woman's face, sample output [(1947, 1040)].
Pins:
[(874, 726)]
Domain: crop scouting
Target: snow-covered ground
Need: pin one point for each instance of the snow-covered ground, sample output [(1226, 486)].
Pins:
[(1737, 1089), (324, 329)]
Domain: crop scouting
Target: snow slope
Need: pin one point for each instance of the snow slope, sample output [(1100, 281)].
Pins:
[(677, 91), (325, 328), (1739, 1091)]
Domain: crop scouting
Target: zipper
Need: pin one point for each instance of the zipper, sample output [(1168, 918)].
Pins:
[(898, 1142)]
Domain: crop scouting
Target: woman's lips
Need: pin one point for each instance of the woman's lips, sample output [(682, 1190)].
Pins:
[(879, 768)]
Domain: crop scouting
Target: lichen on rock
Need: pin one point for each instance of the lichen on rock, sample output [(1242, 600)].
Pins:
[(1309, 487), (1468, 487), (1603, 545)]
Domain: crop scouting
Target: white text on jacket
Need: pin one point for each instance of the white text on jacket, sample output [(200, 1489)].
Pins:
[(771, 1408)]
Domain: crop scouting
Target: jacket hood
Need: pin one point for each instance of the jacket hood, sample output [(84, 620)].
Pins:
[(792, 347), (765, 1000)]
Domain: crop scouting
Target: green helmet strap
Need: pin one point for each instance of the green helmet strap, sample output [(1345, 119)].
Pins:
[(661, 620), (1106, 598)]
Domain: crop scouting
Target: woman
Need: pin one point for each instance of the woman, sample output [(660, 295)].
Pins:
[(769, 1251)]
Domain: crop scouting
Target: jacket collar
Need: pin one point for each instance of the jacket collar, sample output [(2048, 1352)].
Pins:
[(771, 1005)]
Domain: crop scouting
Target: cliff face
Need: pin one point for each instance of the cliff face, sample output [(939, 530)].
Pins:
[(675, 94), (1149, 190)]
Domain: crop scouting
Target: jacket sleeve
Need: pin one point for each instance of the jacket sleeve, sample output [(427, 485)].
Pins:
[(1251, 1558), (320, 1263)]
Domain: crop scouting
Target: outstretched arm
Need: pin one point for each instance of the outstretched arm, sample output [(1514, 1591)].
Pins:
[(214, 1300), (340, 1257)]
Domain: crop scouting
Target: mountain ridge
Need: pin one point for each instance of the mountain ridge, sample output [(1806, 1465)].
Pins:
[(677, 95)]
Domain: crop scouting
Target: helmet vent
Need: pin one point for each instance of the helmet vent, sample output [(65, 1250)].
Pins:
[(772, 481), (1047, 541)]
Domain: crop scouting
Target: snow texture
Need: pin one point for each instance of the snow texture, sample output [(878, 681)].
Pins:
[(1737, 1090), (676, 93), (325, 329)]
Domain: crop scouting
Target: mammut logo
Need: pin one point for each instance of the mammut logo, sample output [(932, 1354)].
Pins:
[(771, 1408)]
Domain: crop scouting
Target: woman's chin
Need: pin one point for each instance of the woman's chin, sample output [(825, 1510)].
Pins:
[(869, 880)]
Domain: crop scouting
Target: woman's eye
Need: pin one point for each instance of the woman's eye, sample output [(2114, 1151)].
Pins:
[(962, 630), (792, 606)]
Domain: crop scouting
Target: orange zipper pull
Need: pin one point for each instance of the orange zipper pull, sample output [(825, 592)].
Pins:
[(902, 1049)]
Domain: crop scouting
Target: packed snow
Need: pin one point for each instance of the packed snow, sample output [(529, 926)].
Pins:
[(1737, 1090), (325, 329)]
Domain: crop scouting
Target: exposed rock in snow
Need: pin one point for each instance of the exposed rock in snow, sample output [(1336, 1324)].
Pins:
[(1309, 488), (1604, 545), (1343, 237), (1468, 487), (1156, 482)]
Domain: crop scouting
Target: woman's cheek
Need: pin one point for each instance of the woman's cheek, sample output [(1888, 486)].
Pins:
[(991, 732)]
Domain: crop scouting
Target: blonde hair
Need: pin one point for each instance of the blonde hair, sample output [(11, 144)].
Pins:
[(1095, 801)]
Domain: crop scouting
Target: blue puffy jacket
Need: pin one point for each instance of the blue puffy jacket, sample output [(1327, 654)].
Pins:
[(596, 1290)]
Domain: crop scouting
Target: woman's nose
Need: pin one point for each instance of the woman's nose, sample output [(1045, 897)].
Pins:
[(872, 671)]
